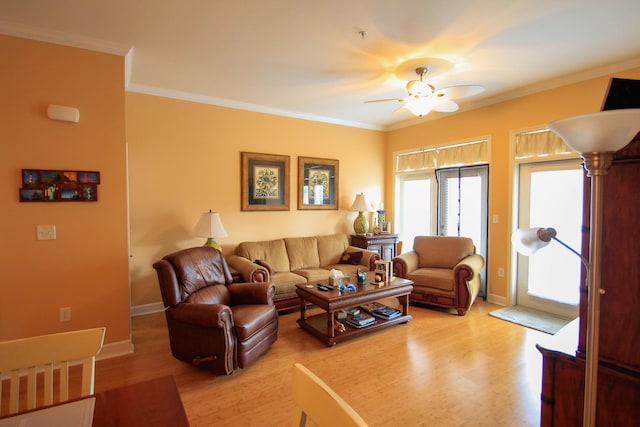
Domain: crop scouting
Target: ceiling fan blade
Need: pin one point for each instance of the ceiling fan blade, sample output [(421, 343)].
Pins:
[(455, 92), (446, 106), (386, 100)]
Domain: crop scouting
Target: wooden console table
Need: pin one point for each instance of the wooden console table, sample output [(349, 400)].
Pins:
[(385, 244)]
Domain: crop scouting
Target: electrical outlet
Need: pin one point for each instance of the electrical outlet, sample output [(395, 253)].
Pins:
[(500, 272), (495, 218), (65, 314)]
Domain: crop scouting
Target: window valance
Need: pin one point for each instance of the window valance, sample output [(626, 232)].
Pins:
[(469, 153), (542, 143)]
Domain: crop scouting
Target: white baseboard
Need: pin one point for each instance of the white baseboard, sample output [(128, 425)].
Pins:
[(122, 348), (497, 299), (115, 349), (141, 310)]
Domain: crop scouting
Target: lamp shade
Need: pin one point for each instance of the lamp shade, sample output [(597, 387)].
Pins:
[(209, 226), (604, 131), (361, 204), (527, 241)]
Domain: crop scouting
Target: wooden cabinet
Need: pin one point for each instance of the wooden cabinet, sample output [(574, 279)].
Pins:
[(618, 399), (385, 244)]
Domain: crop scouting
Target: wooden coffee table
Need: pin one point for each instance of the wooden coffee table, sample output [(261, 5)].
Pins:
[(322, 325)]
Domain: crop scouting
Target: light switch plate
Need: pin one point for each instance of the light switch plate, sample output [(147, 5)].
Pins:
[(46, 232)]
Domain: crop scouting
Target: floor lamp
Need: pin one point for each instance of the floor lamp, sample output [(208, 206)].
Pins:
[(596, 137)]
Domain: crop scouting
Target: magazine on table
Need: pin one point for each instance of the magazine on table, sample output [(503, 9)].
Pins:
[(386, 312), (362, 319), (358, 325), (371, 306)]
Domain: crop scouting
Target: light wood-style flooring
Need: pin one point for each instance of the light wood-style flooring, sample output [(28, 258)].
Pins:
[(439, 369)]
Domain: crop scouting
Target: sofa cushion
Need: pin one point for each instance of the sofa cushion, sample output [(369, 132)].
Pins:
[(273, 252), (442, 251), (434, 278), (303, 252), (348, 270), (285, 282), (313, 274), (331, 247), (351, 257)]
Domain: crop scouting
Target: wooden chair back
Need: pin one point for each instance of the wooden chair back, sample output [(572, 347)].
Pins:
[(47, 353), (316, 400)]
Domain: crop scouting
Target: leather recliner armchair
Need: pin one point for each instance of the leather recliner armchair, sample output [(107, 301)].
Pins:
[(445, 271), (212, 322)]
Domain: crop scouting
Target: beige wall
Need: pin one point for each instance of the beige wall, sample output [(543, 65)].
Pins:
[(86, 267), (498, 121), (184, 159)]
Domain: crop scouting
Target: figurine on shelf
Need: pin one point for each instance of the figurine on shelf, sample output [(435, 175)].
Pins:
[(362, 277)]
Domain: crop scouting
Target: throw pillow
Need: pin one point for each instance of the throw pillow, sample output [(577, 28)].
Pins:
[(265, 265), (351, 258)]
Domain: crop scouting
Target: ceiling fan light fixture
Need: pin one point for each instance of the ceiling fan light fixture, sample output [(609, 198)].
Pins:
[(417, 88), (422, 97), (419, 107)]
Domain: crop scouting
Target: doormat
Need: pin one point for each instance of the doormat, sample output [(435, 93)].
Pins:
[(534, 319)]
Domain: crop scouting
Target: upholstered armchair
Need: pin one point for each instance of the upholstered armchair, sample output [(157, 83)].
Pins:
[(214, 323), (445, 271)]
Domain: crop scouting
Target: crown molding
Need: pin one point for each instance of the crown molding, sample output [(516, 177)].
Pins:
[(221, 102), (66, 39), (127, 51)]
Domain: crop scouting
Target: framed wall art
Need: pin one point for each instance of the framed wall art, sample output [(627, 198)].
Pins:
[(317, 183), (264, 182), (44, 185)]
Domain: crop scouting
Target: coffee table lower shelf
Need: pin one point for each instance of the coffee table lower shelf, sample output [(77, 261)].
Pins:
[(316, 325)]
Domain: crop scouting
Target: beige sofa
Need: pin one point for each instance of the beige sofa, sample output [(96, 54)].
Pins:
[(289, 261)]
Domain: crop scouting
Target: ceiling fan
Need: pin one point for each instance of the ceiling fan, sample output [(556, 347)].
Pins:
[(423, 97)]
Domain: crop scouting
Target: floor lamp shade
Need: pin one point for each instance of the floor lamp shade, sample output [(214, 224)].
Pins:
[(604, 131), (529, 241), (211, 227), (361, 205)]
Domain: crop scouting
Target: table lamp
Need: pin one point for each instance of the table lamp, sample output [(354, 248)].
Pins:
[(596, 137), (210, 226), (361, 205)]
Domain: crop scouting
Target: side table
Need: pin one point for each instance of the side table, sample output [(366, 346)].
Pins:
[(385, 244)]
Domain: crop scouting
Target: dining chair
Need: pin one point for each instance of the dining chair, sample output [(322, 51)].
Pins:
[(315, 400), (46, 354)]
